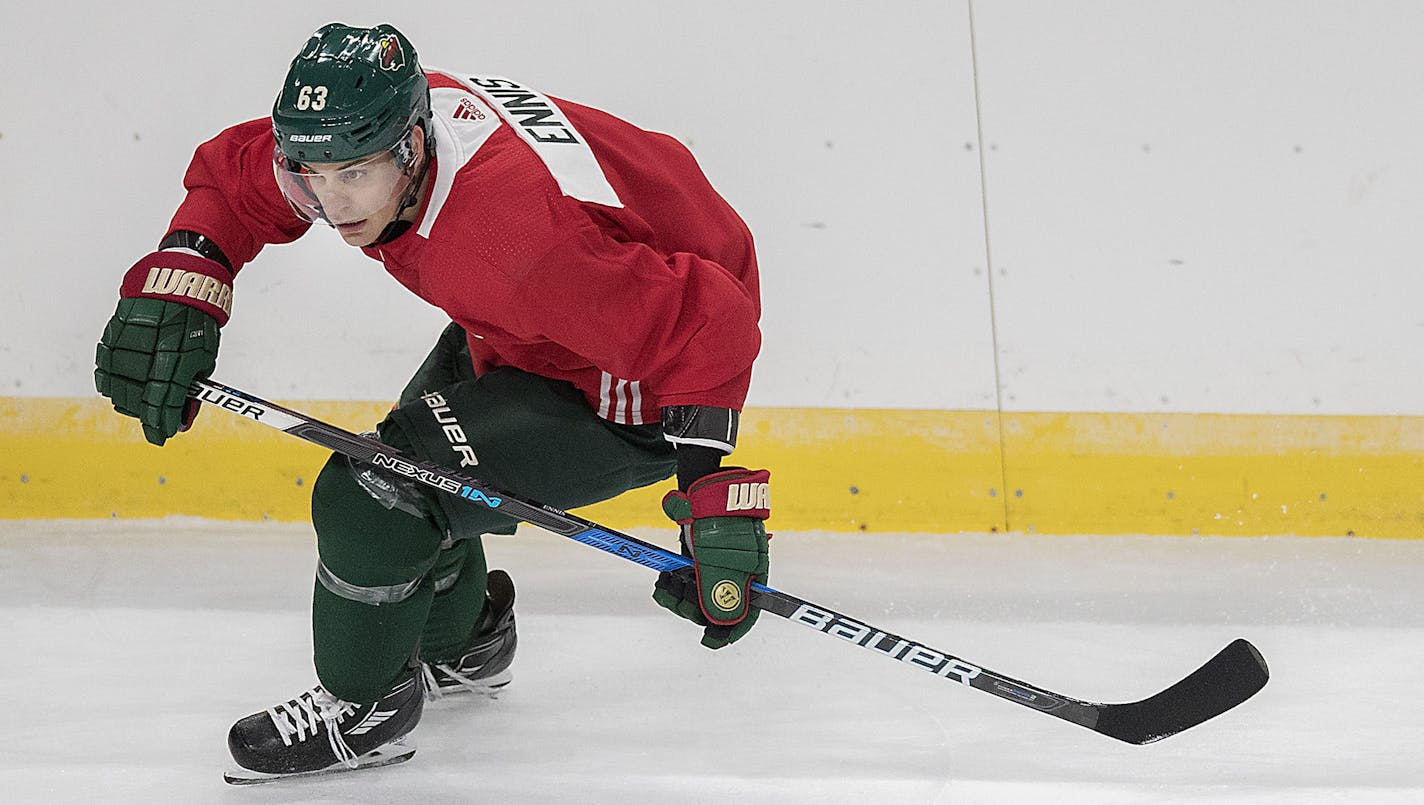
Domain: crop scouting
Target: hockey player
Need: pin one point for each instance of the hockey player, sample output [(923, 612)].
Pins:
[(604, 304)]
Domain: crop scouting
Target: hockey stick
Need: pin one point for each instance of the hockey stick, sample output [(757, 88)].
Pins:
[(1226, 680)]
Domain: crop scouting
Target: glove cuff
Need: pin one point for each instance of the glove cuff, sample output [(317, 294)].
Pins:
[(184, 278), (733, 492)]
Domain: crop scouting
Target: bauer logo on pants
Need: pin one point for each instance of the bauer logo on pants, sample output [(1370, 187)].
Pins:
[(450, 426)]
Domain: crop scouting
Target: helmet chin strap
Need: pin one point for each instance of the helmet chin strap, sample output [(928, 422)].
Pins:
[(398, 226), (392, 231)]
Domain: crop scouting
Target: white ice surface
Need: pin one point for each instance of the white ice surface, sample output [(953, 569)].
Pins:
[(130, 647)]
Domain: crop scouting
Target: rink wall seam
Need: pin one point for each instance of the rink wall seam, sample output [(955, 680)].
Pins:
[(832, 469)]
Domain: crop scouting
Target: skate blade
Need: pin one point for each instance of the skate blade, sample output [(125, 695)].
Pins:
[(385, 756)]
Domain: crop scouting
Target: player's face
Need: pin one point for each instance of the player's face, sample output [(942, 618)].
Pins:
[(358, 198)]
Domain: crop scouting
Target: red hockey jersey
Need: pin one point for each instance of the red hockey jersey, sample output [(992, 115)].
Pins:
[(567, 242)]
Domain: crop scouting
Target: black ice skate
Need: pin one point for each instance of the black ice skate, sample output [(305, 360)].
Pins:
[(484, 668), (317, 733)]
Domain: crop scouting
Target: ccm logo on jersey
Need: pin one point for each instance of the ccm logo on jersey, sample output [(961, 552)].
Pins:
[(450, 426), (745, 496)]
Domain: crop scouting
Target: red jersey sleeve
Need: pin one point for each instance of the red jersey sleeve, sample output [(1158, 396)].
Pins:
[(233, 197)]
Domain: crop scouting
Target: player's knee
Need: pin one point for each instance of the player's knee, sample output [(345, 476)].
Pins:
[(333, 494), (364, 539)]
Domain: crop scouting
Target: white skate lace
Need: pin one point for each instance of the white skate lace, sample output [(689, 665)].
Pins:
[(298, 719), (429, 683), (433, 690)]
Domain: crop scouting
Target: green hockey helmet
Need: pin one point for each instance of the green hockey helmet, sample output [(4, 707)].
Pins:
[(350, 93)]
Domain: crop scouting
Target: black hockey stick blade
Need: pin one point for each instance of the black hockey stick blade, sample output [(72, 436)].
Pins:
[(1226, 680)]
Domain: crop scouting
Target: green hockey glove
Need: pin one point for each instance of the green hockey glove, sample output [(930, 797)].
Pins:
[(151, 351), (163, 336), (722, 532)]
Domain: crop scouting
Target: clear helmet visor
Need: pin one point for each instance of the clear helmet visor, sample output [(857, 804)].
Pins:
[(341, 192)]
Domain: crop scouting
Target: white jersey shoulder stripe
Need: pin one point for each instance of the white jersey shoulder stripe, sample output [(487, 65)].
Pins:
[(547, 130), (462, 123)]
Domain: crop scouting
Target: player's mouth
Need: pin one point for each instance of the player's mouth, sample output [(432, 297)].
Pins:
[(351, 228)]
